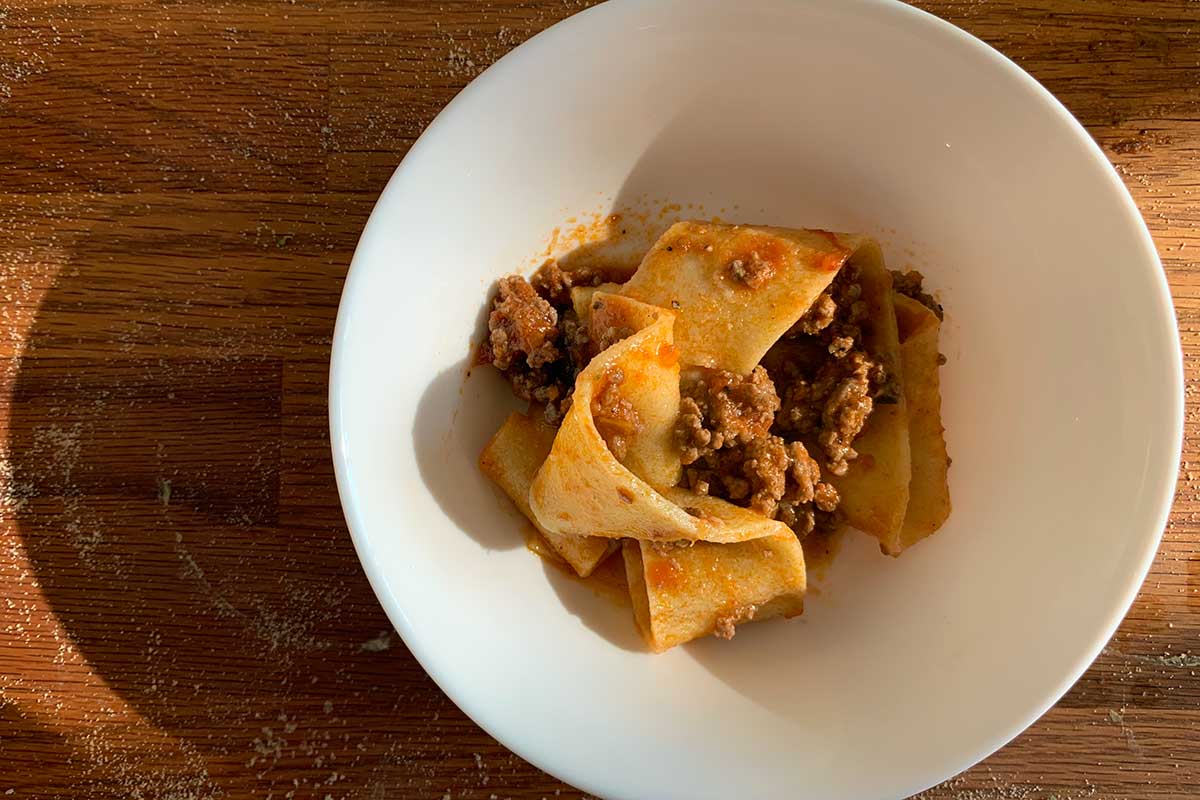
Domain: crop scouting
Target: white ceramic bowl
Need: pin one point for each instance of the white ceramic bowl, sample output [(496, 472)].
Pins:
[(1062, 395)]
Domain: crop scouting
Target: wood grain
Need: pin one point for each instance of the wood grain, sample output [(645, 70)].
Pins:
[(181, 189)]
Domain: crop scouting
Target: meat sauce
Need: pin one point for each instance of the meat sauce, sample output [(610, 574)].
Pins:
[(763, 441)]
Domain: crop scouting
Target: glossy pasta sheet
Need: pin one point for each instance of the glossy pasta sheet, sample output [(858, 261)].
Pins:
[(737, 288), (511, 459), (581, 298), (929, 491), (682, 592), (650, 386)]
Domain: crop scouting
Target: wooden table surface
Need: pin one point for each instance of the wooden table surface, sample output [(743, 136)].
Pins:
[(181, 188)]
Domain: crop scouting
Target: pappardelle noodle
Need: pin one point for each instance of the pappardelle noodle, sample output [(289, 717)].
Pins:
[(744, 388)]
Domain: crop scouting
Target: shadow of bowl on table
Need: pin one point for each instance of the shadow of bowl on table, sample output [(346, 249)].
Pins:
[(173, 493)]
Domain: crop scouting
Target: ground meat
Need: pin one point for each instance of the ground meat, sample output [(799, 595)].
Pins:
[(809, 502), (845, 412), (801, 519), (534, 385), (804, 472), (911, 284), (826, 498), (609, 336), (827, 398), (522, 326), (812, 402), (753, 474), (817, 318), (695, 440), (726, 624), (768, 475), (725, 627), (719, 409), (575, 340), (753, 270), (765, 467), (740, 438), (615, 416), (554, 283), (724, 430), (540, 348)]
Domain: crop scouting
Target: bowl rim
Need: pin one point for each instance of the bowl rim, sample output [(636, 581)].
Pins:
[(483, 714)]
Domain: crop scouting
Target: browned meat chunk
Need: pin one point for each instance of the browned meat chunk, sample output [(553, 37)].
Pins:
[(536, 339), (808, 500), (615, 416), (828, 395), (768, 475), (608, 336), (817, 318), (720, 408), (726, 624), (845, 412), (753, 475), (539, 348), (522, 326), (554, 283), (911, 283), (753, 270), (765, 467)]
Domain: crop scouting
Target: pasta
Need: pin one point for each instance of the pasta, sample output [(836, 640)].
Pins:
[(512, 459), (929, 500), (650, 386), (730, 317), (745, 387), (581, 298), (680, 593), (874, 489)]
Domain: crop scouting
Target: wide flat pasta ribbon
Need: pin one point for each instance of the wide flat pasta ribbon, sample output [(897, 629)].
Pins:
[(929, 500), (511, 459), (737, 288), (680, 593)]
